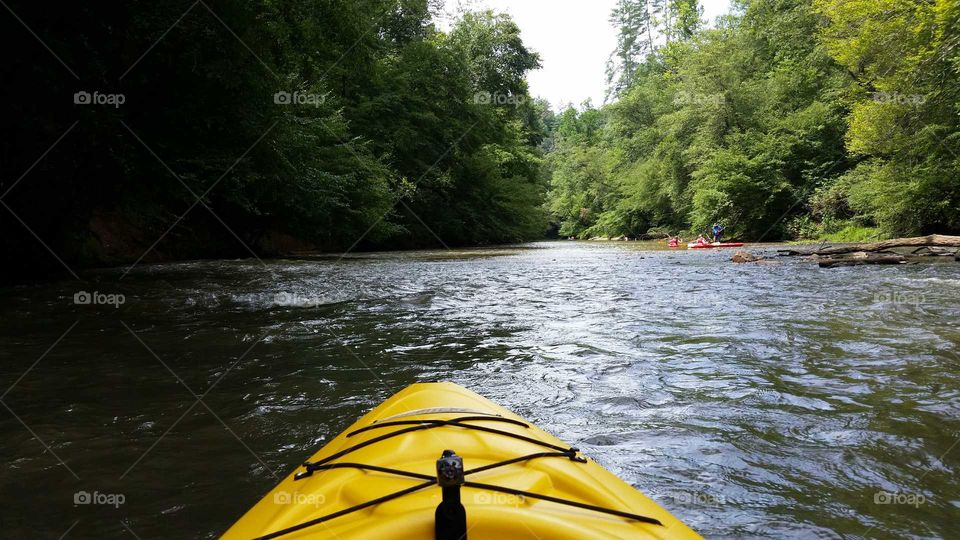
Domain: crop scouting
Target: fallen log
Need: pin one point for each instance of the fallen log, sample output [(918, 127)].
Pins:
[(791, 252), (935, 251), (933, 240), (861, 259)]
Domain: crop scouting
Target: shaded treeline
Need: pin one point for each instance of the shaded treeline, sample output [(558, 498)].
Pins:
[(294, 123)]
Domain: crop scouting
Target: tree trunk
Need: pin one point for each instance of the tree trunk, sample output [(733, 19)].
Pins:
[(938, 240), (862, 260)]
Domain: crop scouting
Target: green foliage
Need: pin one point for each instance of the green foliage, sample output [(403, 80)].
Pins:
[(903, 121), (683, 19), (386, 140), (579, 188), (792, 118), (635, 21), (491, 188), (643, 26), (854, 233)]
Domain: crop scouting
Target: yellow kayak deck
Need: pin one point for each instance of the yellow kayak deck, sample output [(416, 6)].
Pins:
[(408, 432)]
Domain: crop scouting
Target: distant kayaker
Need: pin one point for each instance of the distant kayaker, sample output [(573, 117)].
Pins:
[(701, 240), (675, 241), (717, 232)]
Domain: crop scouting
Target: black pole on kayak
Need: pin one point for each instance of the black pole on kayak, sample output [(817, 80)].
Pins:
[(451, 516)]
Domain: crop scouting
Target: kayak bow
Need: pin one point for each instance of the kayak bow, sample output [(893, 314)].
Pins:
[(379, 479)]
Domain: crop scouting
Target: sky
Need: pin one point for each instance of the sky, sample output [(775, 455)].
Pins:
[(574, 39)]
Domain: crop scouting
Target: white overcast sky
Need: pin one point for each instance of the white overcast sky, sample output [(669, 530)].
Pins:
[(574, 39)]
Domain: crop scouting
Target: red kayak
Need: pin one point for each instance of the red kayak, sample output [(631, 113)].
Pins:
[(694, 245)]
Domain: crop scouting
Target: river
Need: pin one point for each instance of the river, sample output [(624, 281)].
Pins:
[(752, 401)]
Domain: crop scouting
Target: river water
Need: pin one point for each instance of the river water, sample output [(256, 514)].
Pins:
[(752, 401)]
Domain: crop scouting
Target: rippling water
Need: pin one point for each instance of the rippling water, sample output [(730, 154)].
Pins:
[(751, 401)]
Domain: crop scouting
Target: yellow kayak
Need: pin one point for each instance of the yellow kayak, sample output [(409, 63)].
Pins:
[(439, 461)]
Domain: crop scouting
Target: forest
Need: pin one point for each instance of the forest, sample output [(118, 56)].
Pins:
[(169, 130), (789, 119), (172, 130)]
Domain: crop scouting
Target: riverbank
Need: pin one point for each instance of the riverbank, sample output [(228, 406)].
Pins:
[(114, 241)]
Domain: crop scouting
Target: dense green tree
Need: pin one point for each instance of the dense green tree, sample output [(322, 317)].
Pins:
[(737, 124), (790, 118), (683, 19), (903, 123), (637, 32), (325, 120), (489, 188)]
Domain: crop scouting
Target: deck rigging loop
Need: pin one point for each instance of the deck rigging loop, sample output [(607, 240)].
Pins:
[(451, 476)]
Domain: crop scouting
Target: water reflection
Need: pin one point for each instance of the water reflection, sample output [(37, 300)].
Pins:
[(751, 401)]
